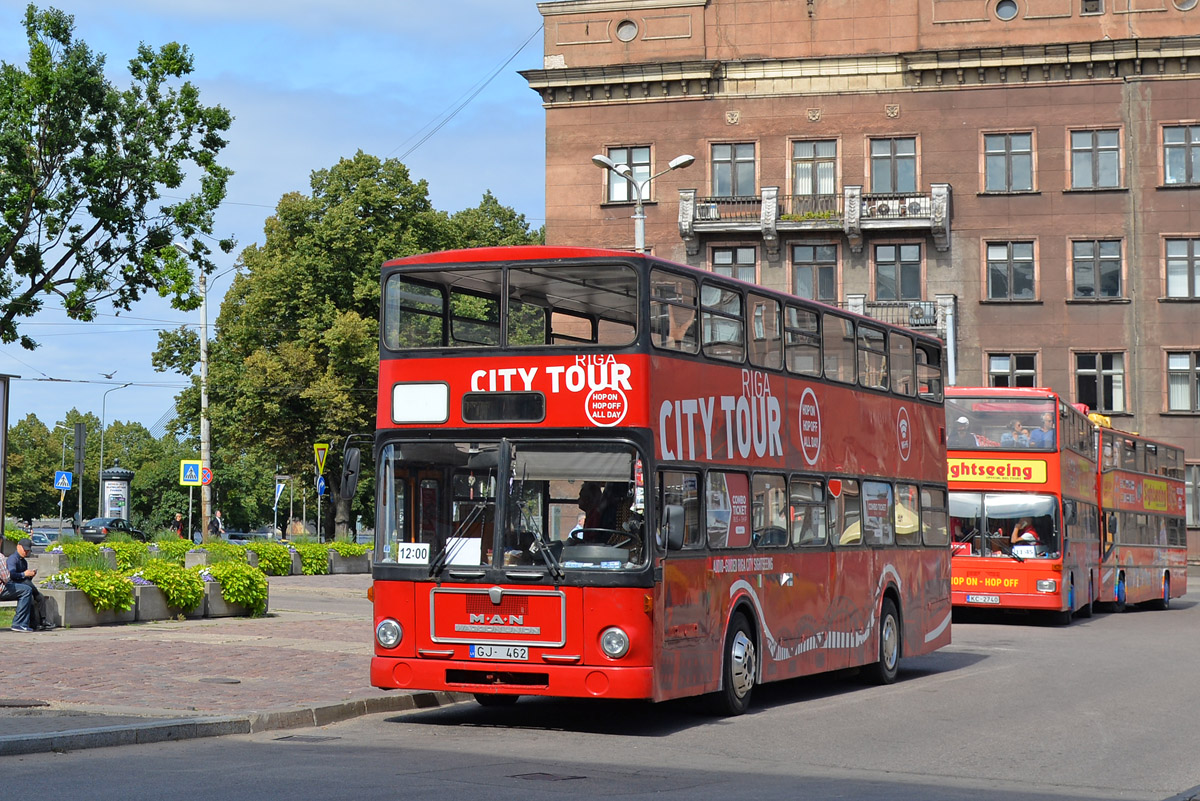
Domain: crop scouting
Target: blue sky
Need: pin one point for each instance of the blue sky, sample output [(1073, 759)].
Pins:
[(308, 82)]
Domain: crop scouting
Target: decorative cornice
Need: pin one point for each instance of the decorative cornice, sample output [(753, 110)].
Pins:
[(624, 82), (609, 6)]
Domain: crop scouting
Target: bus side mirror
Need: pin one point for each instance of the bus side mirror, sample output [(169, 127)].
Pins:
[(672, 523)]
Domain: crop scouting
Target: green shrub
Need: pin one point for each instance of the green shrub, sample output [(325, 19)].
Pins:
[(348, 548), (106, 589), (314, 557), (241, 584), (117, 536), (84, 555), (130, 554), (173, 549), (273, 557), (223, 552), (183, 589)]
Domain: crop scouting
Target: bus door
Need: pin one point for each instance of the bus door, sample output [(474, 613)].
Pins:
[(683, 653)]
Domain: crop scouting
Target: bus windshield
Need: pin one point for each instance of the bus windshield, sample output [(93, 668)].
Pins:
[(980, 424), (1013, 524), (573, 506)]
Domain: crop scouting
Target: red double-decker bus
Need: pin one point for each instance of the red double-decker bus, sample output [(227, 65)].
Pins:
[(601, 474), (1023, 509), (1143, 520)]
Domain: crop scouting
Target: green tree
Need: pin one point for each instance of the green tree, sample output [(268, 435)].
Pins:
[(82, 214), (296, 356), (33, 456)]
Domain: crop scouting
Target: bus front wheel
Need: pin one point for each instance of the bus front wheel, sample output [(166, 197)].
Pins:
[(488, 699), (884, 671), (740, 669)]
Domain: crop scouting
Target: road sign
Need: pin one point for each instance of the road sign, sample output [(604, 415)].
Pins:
[(320, 485), (62, 479), (189, 472), (206, 475), (321, 450)]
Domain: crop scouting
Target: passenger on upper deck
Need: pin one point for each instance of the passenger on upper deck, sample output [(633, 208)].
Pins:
[(1044, 437), (1015, 435), (961, 436)]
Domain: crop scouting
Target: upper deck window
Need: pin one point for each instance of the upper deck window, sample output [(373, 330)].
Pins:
[(1001, 424), (532, 306)]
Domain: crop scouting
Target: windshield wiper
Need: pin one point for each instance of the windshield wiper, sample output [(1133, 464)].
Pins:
[(443, 556), (1009, 552), (539, 544)]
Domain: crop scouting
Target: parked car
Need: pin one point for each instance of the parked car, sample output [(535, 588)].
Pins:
[(38, 538), (98, 528)]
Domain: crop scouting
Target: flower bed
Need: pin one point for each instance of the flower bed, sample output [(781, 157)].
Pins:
[(239, 589), (79, 597), (349, 557)]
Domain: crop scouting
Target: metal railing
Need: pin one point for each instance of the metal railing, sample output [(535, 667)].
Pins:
[(895, 207), (916, 314), (810, 208), (729, 209)]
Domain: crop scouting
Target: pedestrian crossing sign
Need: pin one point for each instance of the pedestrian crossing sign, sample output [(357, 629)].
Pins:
[(189, 472), (62, 480)]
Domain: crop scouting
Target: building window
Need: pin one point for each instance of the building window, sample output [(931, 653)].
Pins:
[(638, 159), (897, 272), (736, 263), (1183, 268), (1095, 159), (1008, 162), (1096, 268), (814, 176), (1191, 475), (814, 272), (1183, 381), (1091, 7), (1181, 154), (1100, 381), (1012, 369), (733, 170), (1010, 271), (894, 165)]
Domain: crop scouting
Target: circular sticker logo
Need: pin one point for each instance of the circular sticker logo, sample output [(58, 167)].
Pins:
[(810, 426), (606, 407), (903, 433)]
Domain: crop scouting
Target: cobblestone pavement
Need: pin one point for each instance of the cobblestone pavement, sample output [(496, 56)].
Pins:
[(310, 655)]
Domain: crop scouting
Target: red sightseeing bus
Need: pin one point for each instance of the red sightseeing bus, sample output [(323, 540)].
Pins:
[(605, 475), (1142, 511), (1023, 510)]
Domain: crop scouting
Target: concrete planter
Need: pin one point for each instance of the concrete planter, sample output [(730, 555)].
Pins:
[(72, 608), (195, 559), (297, 565), (50, 563), (217, 606), (251, 558), (339, 564), (151, 604)]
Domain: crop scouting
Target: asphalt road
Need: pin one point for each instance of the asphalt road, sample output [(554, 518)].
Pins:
[(1014, 710)]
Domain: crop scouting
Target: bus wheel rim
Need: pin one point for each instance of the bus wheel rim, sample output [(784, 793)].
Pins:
[(742, 664), (891, 641)]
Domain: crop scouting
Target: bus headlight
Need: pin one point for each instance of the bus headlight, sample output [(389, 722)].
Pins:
[(614, 642), (1047, 585), (388, 633)]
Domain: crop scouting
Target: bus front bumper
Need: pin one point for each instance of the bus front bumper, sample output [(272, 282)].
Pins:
[(513, 678), (1041, 601)]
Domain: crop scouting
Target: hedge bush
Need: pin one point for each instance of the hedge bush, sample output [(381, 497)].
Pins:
[(274, 558)]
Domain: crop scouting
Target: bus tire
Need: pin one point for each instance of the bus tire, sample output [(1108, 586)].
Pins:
[(884, 671), (489, 699), (739, 669)]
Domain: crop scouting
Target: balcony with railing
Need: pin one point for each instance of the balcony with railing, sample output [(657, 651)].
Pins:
[(852, 212)]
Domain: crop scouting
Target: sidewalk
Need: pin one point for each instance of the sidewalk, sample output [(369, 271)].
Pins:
[(305, 664)]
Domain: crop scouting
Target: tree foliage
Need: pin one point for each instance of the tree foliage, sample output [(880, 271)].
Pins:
[(296, 356), (82, 211)]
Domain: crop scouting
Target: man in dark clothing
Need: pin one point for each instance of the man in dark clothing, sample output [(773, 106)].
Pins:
[(31, 604)]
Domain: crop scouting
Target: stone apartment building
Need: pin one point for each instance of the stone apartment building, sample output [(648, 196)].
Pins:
[(1019, 176)]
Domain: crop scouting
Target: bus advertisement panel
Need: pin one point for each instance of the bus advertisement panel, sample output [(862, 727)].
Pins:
[(605, 475)]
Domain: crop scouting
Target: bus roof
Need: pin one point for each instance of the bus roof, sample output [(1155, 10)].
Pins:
[(512, 253)]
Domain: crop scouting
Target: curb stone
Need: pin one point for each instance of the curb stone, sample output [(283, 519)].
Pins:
[(157, 731)]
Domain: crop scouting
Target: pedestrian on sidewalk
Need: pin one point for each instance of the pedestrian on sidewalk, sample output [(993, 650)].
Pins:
[(18, 584), (216, 526), (177, 525)]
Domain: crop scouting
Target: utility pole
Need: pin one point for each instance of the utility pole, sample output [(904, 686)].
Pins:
[(205, 447)]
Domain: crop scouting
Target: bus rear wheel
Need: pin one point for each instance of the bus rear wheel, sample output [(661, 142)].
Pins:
[(740, 669), (1165, 601), (884, 671)]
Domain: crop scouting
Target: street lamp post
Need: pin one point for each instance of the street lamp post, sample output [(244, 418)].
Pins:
[(100, 473), (639, 214), (205, 446)]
